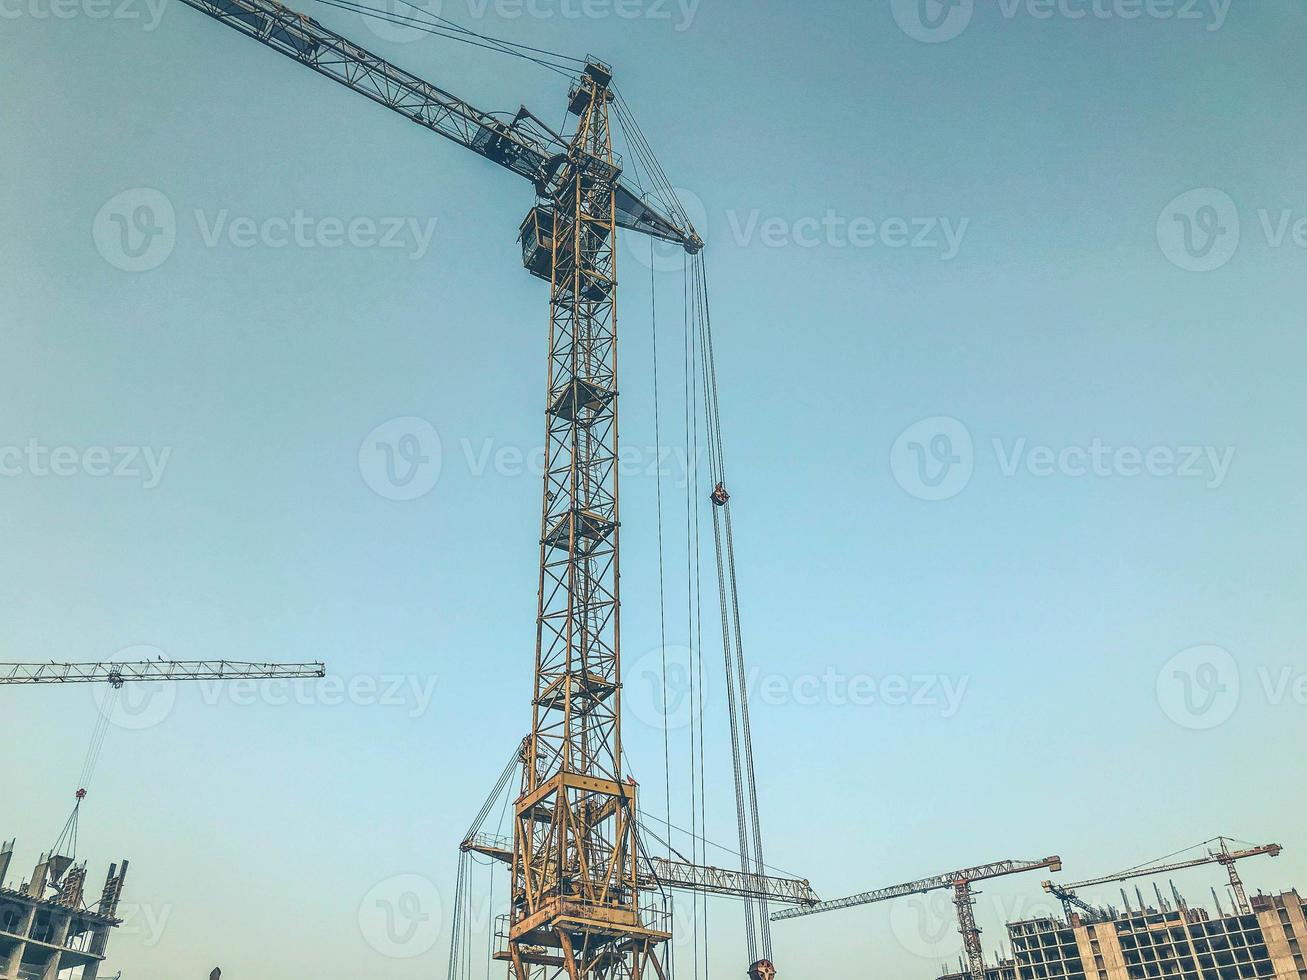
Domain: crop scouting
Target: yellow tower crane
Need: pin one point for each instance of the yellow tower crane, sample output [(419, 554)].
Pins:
[(579, 907)]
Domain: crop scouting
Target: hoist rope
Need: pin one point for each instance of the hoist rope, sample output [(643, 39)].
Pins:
[(99, 734), (662, 578), (437, 26), (748, 810)]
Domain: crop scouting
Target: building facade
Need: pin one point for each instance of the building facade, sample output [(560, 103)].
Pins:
[(1174, 941)]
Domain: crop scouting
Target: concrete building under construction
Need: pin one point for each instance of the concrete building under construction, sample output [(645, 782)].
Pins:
[(1172, 939), (47, 929)]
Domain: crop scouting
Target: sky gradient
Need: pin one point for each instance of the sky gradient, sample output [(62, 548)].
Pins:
[(1009, 328)]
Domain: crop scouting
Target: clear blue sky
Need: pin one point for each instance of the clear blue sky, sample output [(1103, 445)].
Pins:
[(1074, 335)]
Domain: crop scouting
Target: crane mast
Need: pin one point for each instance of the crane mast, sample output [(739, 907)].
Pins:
[(576, 898)]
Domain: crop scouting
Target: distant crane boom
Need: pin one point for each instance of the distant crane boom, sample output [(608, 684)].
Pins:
[(118, 674), (1224, 856), (982, 872), (963, 899)]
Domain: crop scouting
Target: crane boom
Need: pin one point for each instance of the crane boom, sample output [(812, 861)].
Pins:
[(117, 674), (1224, 856), (982, 872), (661, 872), (524, 146), (1220, 857), (963, 899)]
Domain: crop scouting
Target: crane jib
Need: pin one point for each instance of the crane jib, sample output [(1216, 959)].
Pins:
[(527, 153)]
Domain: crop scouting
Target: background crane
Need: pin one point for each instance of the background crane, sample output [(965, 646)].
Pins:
[(960, 882), (1222, 856), (118, 674), (576, 904)]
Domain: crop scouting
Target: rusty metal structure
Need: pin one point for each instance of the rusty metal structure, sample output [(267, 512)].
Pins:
[(576, 898)]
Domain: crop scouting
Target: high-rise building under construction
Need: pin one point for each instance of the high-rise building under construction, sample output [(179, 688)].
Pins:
[(47, 928), (1169, 940)]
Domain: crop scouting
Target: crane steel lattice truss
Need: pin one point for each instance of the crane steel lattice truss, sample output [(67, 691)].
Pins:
[(963, 897), (659, 873), (577, 908), (118, 674), (1225, 857)]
